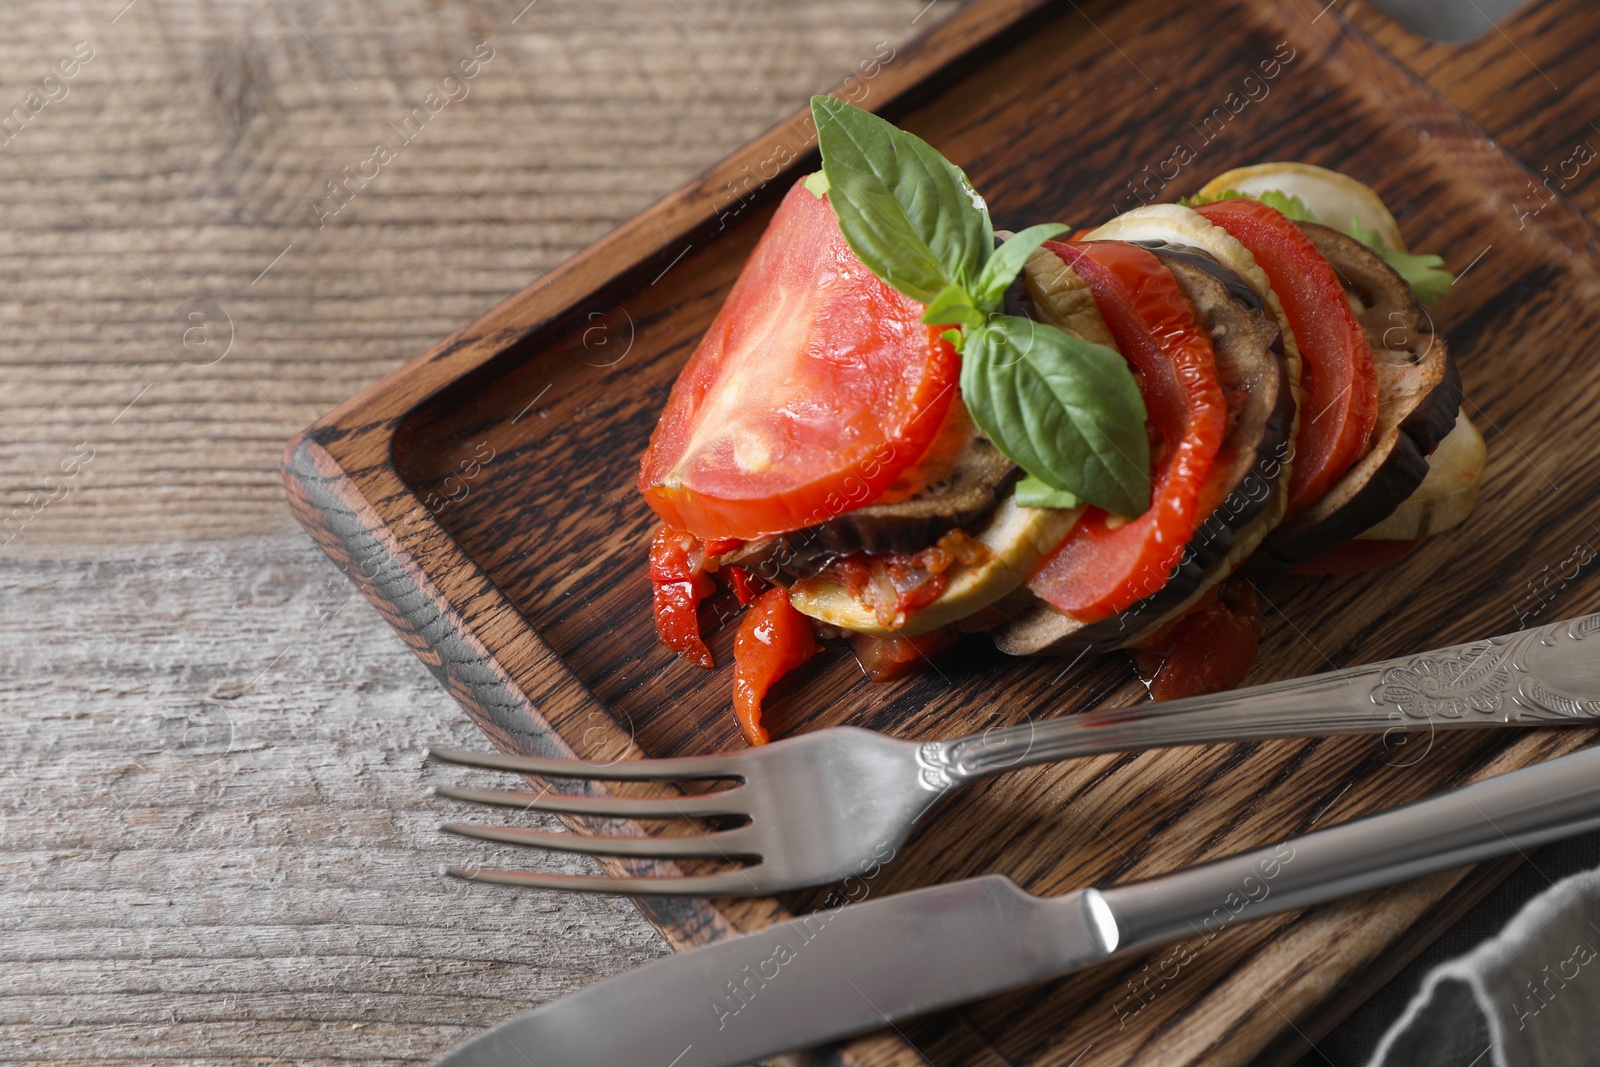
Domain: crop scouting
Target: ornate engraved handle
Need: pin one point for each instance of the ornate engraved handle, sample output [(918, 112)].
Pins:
[(1546, 675)]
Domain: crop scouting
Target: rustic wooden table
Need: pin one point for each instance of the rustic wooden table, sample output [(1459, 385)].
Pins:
[(215, 839)]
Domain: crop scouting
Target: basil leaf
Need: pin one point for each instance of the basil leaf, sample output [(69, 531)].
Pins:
[(1032, 493), (1065, 409), (952, 307), (816, 184), (1425, 274), (879, 232), (944, 212), (1007, 262)]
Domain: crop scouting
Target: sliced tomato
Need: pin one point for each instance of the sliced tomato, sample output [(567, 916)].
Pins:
[(814, 388), (1208, 650), (677, 574), (1353, 557), (1107, 564), (773, 639), (1339, 389)]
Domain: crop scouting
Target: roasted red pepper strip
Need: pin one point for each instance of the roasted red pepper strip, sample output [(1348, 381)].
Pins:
[(746, 585), (885, 658), (1105, 565), (1339, 401), (1206, 651), (773, 639), (677, 562)]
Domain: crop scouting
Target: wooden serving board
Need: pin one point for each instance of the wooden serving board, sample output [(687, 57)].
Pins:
[(482, 498)]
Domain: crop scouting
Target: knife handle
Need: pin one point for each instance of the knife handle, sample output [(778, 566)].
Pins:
[(1511, 812), (1546, 675)]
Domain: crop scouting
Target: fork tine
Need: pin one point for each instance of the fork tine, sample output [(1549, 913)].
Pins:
[(695, 806), (724, 844), (649, 770), (706, 885)]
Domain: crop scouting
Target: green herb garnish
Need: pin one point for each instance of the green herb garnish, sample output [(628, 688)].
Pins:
[(1032, 493), (1425, 274), (1067, 405), (1286, 203), (1064, 409)]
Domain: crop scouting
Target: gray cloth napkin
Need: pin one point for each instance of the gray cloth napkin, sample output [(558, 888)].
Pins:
[(1455, 21), (1529, 997)]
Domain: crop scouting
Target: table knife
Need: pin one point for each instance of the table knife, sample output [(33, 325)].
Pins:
[(861, 966)]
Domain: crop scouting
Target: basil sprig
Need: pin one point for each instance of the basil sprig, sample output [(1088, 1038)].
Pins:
[(1051, 390), (1065, 410)]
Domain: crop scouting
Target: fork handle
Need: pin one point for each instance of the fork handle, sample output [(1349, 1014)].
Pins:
[(1541, 676)]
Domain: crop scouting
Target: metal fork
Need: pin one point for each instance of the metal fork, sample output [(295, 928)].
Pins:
[(838, 802)]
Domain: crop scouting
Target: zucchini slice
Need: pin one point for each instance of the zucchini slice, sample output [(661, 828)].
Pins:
[(1018, 538), (1448, 493)]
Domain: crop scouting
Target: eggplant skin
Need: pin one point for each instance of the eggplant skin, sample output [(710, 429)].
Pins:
[(1371, 491), (1419, 394), (1251, 465), (957, 482), (1254, 376)]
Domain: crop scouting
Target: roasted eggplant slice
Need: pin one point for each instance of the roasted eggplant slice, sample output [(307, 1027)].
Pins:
[(1446, 496), (1254, 379), (1176, 224), (1014, 538), (1419, 395), (1244, 487), (957, 482)]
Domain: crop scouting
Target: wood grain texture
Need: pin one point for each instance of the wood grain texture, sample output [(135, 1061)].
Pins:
[(1531, 82), (496, 466), (215, 832), (218, 840), (187, 154)]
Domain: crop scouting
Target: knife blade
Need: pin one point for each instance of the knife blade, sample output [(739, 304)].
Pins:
[(827, 975), (862, 966)]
